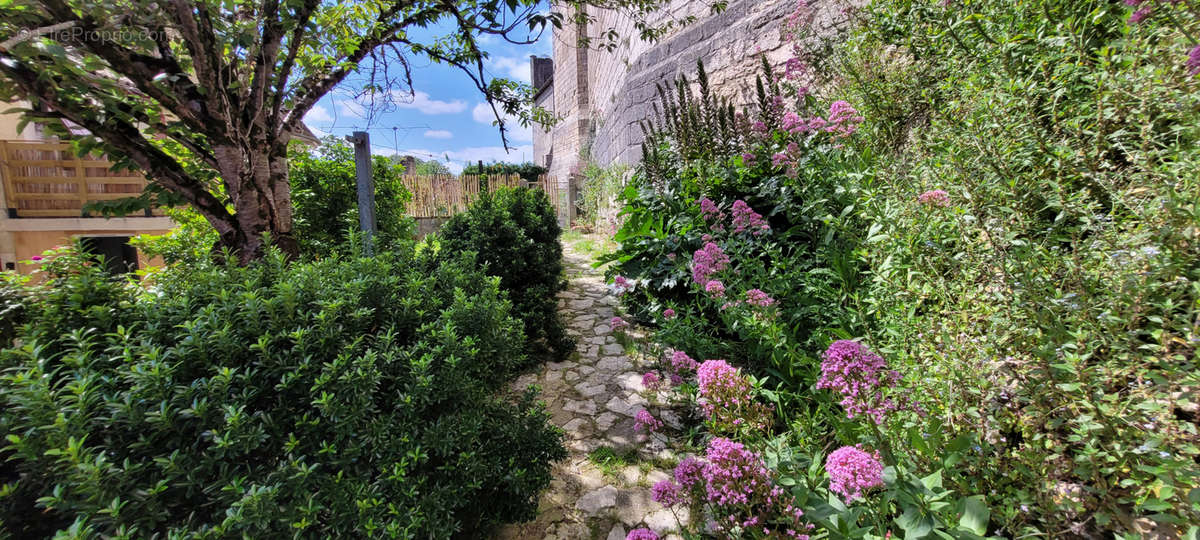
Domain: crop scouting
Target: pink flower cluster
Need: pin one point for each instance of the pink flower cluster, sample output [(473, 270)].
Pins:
[(758, 298), (796, 125), (668, 493), (740, 489), (641, 534), (712, 214), (843, 119), (727, 400), (682, 364), (736, 479), (707, 261), (1193, 61), (689, 472), (715, 288), (1142, 12), (934, 197), (861, 377), (644, 421), (853, 471), (622, 285), (651, 381), (668, 314), (618, 324), (746, 219)]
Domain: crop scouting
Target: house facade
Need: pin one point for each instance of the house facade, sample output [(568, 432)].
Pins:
[(45, 188)]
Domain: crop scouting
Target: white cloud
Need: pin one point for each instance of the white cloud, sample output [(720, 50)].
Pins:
[(483, 114), (353, 109), (318, 115), (510, 67), (459, 158), (438, 134), (421, 101)]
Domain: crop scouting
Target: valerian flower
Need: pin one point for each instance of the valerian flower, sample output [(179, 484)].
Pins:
[(853, 471)]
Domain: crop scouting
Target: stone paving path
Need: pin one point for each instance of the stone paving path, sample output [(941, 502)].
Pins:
[(593, 397)]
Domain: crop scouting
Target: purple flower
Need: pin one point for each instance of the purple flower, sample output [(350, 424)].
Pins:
[(853, 471), (36, 258), (711, 213), (747, 158), (1193, 61), (715, 288), (682, 363), (843, 119), (1140, 15), (667, 493), (618, 324), (935, 197), (758, 298), (651, 381), (668, 314), (727, 400), (622, 285), (779, 159), (746, 219), (707, 261), (688, 472), (861, 377), (644, 421), (641, 534), (794, 68)]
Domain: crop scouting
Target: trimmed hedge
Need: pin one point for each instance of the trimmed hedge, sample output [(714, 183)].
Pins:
[(514, 233), (341, 398)]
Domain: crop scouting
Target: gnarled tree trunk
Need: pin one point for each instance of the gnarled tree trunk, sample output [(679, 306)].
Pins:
[(256, 178)]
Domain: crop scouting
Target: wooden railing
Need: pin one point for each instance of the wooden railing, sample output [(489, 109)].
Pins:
[(445, 195), (46, 179)]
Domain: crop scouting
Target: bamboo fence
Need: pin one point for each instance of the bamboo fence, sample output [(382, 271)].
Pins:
[(435, 196)]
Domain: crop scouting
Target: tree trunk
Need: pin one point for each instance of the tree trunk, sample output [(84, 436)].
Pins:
[(255, 177)]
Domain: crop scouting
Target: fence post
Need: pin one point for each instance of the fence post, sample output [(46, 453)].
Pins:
[(366, 187)]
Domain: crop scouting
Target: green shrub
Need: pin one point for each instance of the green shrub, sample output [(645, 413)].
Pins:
[(325, 197), (14, 306), (340, 398), (190, 242), (1013, 228), (514, 234)]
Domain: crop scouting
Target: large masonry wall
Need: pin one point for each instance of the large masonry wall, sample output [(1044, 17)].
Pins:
[(601, 96), (624, 81)]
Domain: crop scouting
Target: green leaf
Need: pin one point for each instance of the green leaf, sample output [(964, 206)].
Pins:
[(914, 524), (933, 481), (975, 515)]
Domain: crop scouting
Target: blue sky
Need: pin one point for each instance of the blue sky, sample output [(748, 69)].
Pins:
[(445, 119)]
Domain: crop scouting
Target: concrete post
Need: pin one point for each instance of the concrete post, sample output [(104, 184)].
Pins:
[(366, 187)]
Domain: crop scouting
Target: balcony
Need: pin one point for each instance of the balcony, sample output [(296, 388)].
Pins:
[(44, 179)]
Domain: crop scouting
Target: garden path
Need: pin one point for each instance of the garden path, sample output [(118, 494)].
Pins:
[(602, 489)]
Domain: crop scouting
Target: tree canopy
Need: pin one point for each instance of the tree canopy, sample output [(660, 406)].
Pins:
[(204, 95)]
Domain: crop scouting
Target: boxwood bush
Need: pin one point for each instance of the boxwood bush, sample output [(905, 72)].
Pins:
[(514, 233), (341, 398)]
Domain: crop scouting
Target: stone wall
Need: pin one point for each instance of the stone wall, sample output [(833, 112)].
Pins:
[(624, 82), (601, 96)]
